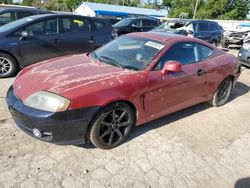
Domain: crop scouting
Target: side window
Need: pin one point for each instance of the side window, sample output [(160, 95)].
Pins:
[(7, 17), (205, 52), (213, 27), (24, 14), (146, 23), (98, 25), (185, 53), (137, 23), (203, 26), (74, 25), (46, 27)]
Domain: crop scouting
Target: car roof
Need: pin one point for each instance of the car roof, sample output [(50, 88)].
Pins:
[(32, 9), (159, 36), (203, 21), (38, 16)]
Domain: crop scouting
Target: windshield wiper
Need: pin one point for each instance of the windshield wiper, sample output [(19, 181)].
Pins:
[(111, 61), (130, 67), (93, 54)]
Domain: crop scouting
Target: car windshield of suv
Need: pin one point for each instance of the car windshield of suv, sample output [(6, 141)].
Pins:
[(129, 52), (14, 24), (124, 22), (163, 26)]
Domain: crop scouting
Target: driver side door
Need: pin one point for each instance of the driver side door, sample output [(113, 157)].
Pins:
[(42, 43), (176, 90)]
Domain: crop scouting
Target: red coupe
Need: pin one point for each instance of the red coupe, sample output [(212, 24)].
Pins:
[(134, 79)]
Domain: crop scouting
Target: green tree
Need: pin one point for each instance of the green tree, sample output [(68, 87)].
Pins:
[(72, 4), (27, 2), (6, 2)]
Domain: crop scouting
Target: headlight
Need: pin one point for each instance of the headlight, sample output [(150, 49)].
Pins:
[(246, 46), (47, 101)]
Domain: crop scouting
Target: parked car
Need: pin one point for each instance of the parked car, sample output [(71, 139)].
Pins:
[(205, 30), (244, 54), (166, 27), (132, 80), (11, 13), (129, 25), (234, 37), (176, 23), (41, 37)]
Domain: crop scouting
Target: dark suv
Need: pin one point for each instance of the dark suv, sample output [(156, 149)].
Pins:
[(129, 25), (206, 30), (12, 13), (41, 37)]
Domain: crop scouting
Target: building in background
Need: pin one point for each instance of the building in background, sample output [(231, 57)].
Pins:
[(115, 11)]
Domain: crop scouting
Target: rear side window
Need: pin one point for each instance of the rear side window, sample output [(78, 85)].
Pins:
[(74, 25), (146, 23), (98, 25), (203, 26), (25, 14), (214, 27), (205, 52), (7, 17)]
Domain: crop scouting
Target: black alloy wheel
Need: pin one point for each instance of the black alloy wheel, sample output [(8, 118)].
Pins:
[(112, 125)]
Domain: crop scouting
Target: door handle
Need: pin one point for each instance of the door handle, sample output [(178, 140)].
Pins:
[(92, 39), (200, 72)]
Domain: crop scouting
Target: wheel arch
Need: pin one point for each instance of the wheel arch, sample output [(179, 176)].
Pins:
[(133, 107), (14, 57)]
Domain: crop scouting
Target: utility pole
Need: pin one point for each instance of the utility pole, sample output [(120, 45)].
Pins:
[(195, 9)]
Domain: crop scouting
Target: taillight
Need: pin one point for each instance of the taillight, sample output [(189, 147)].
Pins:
[(114, 33)]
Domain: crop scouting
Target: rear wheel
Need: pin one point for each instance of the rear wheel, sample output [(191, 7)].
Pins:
[(214, 42), (224, 45), (112, 125), (8, 65), (223, 92)]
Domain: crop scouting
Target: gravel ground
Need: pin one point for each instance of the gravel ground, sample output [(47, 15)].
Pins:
[(201, 146)]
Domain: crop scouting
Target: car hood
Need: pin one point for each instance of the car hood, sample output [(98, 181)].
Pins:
[(61, 75)]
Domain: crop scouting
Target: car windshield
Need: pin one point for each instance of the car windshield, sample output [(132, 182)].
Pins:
[(165, 26), (14, 24), (129, 52), (124, 22)]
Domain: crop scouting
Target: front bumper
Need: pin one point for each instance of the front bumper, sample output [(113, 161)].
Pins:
[(61, 128), (232, 40)]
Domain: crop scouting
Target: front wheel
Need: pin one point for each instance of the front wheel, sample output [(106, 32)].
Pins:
[(8, 66), (222, 93), (112, 125)]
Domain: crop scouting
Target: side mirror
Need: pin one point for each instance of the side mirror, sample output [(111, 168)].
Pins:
[(171, 66), (24, 35)]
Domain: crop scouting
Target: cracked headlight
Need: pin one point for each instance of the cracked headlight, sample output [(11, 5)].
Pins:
[(47, 101)]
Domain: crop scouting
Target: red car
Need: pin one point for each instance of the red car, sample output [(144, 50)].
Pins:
[(134, 79)]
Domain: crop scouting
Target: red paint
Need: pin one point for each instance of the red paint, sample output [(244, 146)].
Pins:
[(86, 82)]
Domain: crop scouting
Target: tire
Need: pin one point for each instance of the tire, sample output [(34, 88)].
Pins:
[(112, 125), (214, 42), (222, 93), (8, 65), (224, 45)]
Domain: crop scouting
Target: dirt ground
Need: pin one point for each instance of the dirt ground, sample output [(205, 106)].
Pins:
[(201, 146)]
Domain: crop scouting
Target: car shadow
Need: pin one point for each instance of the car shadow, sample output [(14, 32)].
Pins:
[(240, 89), (242, 183)]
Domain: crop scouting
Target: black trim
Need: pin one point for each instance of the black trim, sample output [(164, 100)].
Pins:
[(67, 127)]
